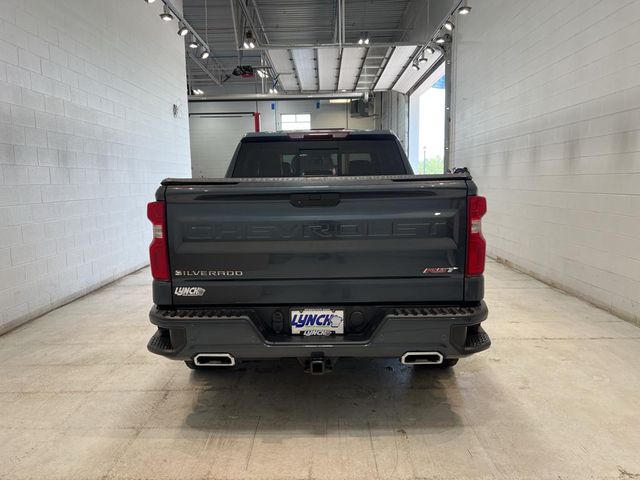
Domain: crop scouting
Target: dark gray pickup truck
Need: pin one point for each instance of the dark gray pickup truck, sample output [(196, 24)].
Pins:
[(318, 245)]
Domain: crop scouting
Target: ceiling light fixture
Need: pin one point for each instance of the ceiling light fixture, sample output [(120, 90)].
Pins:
[(166, 15), (149, 1), (204, 54), (197, 91), (415, 66), (193, 43), (429, 50), (448, 25), (182, 31), (249, 41), (423, 59), (440, 40), (364, 38), (464, 9)]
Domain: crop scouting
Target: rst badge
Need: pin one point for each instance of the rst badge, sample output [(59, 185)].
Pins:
[(432, 270), (189, 291), (317, 322)]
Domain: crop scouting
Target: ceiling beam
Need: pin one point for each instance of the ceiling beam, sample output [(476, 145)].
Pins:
[(317, 62), (204, 69), (261, 96), (281, 46)]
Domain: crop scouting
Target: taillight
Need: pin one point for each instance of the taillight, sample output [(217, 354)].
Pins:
[(476, 245), (158, 252)]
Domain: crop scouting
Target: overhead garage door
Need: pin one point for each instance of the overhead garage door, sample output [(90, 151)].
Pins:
[(214, 139)]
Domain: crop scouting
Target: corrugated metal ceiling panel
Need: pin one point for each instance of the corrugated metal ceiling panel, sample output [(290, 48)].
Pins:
[(350, 64), (411, 75), (328, 64), (304, 60), (399, 58), (284, 66), (298, 21)]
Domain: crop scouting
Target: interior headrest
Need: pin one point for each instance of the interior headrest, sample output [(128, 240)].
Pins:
[(360, 167)]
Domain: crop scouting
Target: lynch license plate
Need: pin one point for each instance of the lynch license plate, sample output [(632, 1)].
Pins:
[(313, 321)]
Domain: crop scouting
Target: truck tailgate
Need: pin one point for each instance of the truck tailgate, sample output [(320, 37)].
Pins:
[(265, 241)]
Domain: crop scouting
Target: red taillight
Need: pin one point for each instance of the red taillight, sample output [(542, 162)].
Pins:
[(476, 245), (158, 253)]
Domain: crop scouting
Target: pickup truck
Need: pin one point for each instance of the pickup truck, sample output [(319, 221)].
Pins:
[(318, 246)]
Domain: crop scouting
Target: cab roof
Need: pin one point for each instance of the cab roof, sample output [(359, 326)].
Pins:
[(319, 134)]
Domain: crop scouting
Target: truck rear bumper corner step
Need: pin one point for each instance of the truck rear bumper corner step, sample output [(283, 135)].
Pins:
[(477, 340)]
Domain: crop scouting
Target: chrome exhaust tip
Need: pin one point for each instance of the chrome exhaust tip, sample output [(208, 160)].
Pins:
[(422, 358), (214, 360)]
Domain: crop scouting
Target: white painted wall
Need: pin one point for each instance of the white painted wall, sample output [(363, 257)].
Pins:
[(86, 133), (214, 137), (547, 117)]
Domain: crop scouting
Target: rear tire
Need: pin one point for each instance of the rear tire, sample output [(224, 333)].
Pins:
[(449, 363), (192, 365)]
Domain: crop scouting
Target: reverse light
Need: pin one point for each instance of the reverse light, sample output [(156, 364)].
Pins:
[(158, 251), (476, 244)]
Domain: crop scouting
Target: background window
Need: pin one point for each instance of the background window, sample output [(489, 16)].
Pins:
[(298, 121)]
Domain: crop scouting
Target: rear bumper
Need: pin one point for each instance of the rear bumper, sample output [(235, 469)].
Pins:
[(454, 331)]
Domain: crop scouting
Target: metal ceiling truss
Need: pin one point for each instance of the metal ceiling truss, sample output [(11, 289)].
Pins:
[(306, 48), (217, 74), (248, 18)]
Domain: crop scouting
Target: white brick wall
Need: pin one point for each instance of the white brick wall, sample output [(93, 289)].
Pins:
[(547, 117), (86, 134)]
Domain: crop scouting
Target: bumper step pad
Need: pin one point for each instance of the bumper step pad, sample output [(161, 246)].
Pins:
[(166, 342), (477, 341), (446, 311), (160, 342)]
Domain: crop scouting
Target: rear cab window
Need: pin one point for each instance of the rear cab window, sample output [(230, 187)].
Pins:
[(282, 157)]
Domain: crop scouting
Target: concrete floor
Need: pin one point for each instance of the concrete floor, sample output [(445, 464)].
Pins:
[(557, 396)]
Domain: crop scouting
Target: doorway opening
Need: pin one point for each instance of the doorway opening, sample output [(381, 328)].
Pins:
[(427, 114)]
